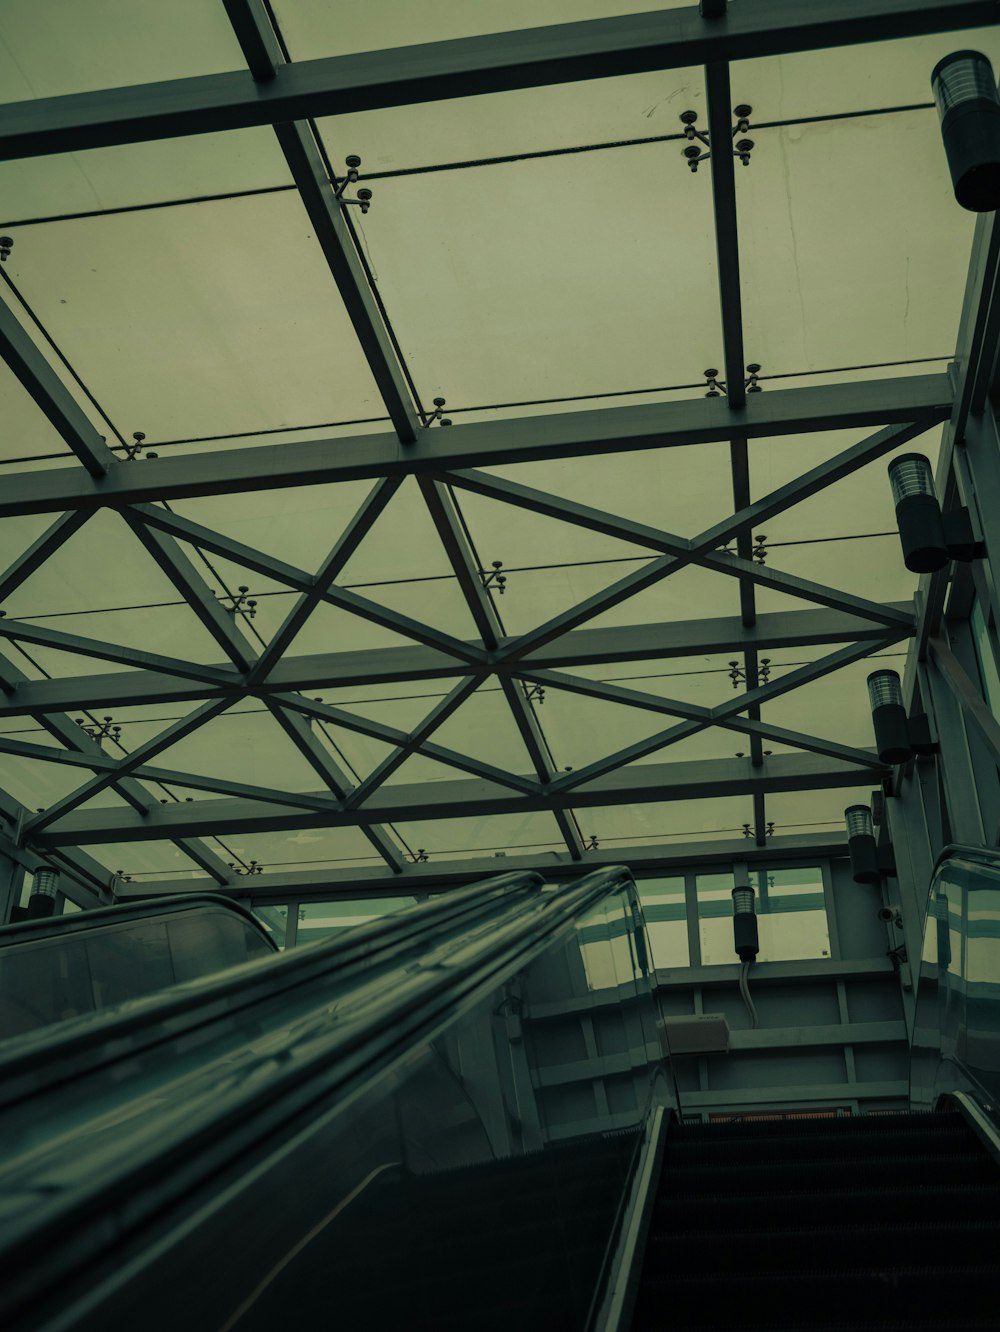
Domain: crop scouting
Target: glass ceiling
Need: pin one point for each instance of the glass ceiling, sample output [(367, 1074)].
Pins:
[(360, 641)]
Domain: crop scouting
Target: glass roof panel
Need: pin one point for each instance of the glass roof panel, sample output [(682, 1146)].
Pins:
[(797, 812), (496, 280), (680, 820), (91, 44), (869, 77), (599, 115), (141, 859), (138, 175), (194, 321), (527, 833), (314, 28), (834, 706), (857, 505), (246, 747), (853, 248)]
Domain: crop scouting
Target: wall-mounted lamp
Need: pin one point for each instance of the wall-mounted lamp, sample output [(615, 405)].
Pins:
[(885, 694), (897, 738), (929, 537), (861, 844), (42, 902), (745, 939), (967, 102)]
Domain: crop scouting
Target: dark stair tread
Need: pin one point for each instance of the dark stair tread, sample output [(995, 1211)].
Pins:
[(847, 1249), (825, 1146), (890, 1123), (988, 1323), (824, 1299), (761, 1179)]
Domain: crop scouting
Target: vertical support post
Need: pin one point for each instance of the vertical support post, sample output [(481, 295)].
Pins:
[(954, 759), (11, 884)]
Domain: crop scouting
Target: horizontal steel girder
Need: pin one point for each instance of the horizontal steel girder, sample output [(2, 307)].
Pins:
[(430, 876), (484, 444), (497, 62), (643, 783), (406, 665)]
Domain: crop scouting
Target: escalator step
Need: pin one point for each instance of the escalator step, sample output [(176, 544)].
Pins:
[(819, 1298), (802, 1208), (750, 1178), (968, 1244), (764, 1128), (819, 1147)]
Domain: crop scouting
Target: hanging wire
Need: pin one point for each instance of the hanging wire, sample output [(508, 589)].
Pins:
[(745, 992)]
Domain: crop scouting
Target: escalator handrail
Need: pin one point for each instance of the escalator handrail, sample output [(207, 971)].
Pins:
[(56, 927), (51, 1053), (618, 1284), (987, 855), (153, 1159)]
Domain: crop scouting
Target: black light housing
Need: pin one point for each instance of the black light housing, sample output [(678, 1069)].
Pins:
[(42, 901), (918, 513), (861, 844), (969, 108), (885, 694), (745, 939)]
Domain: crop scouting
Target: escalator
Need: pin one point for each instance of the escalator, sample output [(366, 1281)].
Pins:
[(58, 967), (293, 1141), (459, 1117)]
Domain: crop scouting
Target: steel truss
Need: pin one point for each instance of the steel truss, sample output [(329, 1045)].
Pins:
[(446, 463)]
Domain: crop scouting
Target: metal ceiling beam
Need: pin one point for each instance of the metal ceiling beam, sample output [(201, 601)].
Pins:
[(721, 713), (405, 741), (322, 762), (643, 783), (673, 707), (484, 444), (470, 66), (785, 630), (174, 562), (331, 883), (204, 538), (445, 516), (50, 394), (817, 479), (331, 224), (451, 702), (75, 738), (54, 536), (147, 772), (126, 767), (25, 631), (344, 548)]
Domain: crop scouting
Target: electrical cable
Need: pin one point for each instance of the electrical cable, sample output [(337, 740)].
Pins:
[(745, 992)]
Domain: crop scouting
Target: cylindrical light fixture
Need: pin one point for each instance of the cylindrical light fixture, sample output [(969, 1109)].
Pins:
[(745, 939), (42, 902), (885, 694), (918, 513), (861, 844), (967, 102)]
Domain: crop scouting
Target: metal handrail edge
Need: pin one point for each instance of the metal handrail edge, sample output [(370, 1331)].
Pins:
[(621, 1282), (981, 1123)]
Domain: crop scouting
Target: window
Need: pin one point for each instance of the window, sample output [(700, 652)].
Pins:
[(791, 915), (664, 908)]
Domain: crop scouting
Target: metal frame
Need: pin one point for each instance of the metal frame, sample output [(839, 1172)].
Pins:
[(287, 96)]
